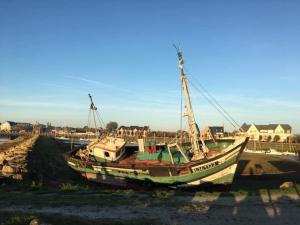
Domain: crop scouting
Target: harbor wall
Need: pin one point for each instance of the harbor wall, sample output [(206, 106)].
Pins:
[(14, 156)]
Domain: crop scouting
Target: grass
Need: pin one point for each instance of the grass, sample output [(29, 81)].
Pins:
[(13, 218), (163, 194), (79, 196), (67, 187)]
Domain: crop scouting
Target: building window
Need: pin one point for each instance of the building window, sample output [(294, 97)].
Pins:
[(106, 154)]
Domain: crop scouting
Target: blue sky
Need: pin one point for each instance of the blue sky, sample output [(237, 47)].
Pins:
[(52, 54)]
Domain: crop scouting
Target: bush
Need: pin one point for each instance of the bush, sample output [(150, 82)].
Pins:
[(163, 193), (67, 187), (276, 138), (8, 219), (36, 186), (112, 126)]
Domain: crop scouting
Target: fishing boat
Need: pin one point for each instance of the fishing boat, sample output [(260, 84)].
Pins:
[(111, 160)]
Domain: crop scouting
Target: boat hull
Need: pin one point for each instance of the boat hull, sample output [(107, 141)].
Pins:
[(223, 177), (215, 171)]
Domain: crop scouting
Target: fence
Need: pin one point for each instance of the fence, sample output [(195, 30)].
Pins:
[(281, 147)]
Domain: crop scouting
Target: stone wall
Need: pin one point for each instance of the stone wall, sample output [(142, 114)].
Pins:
[(13, 160)]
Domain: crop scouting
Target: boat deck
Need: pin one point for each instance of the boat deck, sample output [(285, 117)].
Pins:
[(132, 159)]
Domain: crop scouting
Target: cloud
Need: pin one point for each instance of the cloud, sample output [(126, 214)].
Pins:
[(88, 80), (98, 83), (36, 104)]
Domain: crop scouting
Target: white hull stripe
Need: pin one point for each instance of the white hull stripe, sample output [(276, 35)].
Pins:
[(229, 170), (221, 160)]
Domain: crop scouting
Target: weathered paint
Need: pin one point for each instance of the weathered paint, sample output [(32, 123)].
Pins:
[(218, 170), (170, 180)]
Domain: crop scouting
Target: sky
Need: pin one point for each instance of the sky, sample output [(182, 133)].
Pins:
[(54, 53)]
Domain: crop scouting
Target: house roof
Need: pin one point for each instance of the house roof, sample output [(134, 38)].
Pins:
[(134, 127), (24, 124), (266, 127), (245, 127), (259, 127), (216, 129), (286, 127), (11, 123)]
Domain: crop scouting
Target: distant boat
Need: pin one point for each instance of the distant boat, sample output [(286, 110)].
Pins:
[(111, 160), (3, 140), (62, 138)]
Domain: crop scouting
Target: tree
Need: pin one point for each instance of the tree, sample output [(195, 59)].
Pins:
[(112, 126), (276, 138)]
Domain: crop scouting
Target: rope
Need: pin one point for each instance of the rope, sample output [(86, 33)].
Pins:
[(101, 122), (89, 118), (217, 103), (213, 104), (96, 116)]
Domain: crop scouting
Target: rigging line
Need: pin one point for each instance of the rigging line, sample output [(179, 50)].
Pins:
[(101, 122), (217, 103), (89, 119), (100, 119), (219, 110), (206, 97)]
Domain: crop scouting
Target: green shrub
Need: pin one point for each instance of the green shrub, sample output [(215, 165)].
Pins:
[(15, 220), (36, 186), (67, 187), (163, 194)]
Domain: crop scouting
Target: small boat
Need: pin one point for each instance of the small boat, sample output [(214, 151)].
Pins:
[(113, 161)]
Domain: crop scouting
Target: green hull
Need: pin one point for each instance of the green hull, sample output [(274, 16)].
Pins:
[(218, 170)]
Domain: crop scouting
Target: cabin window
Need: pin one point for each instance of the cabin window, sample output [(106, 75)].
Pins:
[(106, 154)]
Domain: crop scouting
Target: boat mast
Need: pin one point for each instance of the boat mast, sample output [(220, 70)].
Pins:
[(193, 127), (93, 108)]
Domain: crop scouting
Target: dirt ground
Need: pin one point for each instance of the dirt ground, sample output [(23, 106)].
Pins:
[(267, 208), (255, 197)]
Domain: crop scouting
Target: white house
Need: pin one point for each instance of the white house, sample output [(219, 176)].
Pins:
[(214, 132), (10, 126), (133, 131), (7, 126), (270, 132)]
